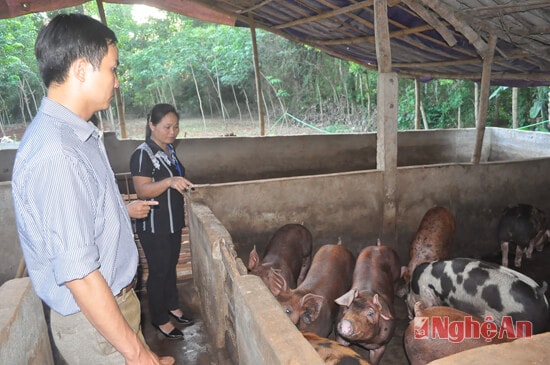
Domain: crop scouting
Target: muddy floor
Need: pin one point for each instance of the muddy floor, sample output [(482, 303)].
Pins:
[(195, 349)]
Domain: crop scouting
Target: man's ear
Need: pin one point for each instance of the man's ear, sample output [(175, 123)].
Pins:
[(79, 69)]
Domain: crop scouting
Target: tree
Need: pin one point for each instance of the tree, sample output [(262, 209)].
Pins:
[(207, 70)]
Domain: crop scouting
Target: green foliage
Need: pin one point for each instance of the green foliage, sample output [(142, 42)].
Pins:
[(539, 106), (338, 128), (18, 69), (191, 63)]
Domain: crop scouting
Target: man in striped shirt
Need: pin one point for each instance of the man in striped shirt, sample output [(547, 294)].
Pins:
[(74, 228)]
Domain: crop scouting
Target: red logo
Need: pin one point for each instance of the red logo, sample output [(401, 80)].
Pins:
[(468, 328)]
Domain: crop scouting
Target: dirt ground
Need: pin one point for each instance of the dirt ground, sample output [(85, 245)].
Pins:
[(194, 128), (197, 127)]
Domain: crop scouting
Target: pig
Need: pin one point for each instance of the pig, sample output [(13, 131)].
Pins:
[(433, 240), (423, 344), (367, 308), (332, 352), (311, 305), (481, 289), (289, 251), (524, 225)]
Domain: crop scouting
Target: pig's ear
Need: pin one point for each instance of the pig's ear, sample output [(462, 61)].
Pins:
[(404, 271), (429, 297), (347, 298), (253, 259), (418, 308), (382, 308), (276, 282), (311, 305)]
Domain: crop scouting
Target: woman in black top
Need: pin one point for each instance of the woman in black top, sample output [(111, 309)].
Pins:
[(158, 174)]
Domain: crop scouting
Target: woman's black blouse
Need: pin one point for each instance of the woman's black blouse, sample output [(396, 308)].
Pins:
[(169, 215)]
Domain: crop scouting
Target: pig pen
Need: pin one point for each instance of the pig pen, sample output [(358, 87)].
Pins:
[(227, 220), (330, 183)]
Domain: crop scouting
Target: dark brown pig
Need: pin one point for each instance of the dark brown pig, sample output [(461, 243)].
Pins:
[(433, 240), (288, 251), (368, 315), (524, 225), (311, 305), (332, 352), (441, 331)]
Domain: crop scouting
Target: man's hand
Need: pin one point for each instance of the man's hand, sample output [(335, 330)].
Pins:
[(149, 357), (97, 303), (138, 209), (167, 360)]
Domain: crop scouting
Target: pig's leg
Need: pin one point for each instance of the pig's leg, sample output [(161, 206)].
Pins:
[(531, 246), (306, 262), (519, 254), (539, 245), (504, 249), (376, 355)]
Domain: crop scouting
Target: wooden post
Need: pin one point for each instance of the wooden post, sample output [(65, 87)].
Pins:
[(257, 74), (515, 123), (476, 102), (417, 101), (484, 98), (118, 96), (386, 145)]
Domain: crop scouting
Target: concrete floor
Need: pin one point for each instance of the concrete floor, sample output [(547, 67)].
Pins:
[(196, 350)]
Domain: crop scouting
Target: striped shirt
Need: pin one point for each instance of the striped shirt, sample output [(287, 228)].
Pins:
[(70, 215)]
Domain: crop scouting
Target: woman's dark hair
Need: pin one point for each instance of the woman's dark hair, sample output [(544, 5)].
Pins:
[(157, 113), (66, 38)]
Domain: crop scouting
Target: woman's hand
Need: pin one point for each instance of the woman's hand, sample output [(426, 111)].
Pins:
[(181, 184)]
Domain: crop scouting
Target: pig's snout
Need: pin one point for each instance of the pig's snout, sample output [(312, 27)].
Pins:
[(345, 328)]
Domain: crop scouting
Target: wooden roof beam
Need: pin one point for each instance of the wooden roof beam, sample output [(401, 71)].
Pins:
[(432, 20), (334, 13), (498, 10), (471, 61), (472, 36), (475, 76), (528, 31), (369, 39), (259, 5), (326, 15), (542, 53)]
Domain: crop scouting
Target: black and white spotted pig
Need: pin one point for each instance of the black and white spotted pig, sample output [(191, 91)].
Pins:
[(524, 225), (480, 289)]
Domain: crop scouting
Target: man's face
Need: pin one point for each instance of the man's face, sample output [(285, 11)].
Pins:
[(101, 84)]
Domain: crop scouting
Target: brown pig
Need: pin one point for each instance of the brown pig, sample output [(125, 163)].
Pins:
[(332, 352), (441, 331), (368, 315), (288, 251), (433, 240), (311, 305)]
